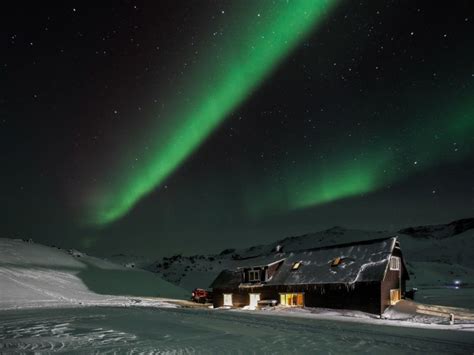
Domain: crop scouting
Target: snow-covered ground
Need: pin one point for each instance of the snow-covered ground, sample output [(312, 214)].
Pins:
[(182, 331), (58, 300), (34, 275)]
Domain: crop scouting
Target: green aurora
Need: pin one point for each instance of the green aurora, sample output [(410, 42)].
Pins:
[(445, 136), (254, 43)]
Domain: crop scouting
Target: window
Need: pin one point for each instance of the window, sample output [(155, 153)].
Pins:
[(296, 265), (394, 263), (292, 299), (254, 275), (336, 261)]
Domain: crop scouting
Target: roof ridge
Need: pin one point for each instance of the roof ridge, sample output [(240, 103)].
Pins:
[(360, 242)]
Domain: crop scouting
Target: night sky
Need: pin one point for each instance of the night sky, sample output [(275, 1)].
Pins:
[(165, 127)]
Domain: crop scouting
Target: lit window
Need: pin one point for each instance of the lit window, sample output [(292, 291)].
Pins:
[(296, 265), (394, 296), (292, 299), (394, 263), (336, 261), (254, 275)]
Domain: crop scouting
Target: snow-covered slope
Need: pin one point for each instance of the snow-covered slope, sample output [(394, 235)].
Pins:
[(440, 231), (130, 261), (436, 255), (34, 275)]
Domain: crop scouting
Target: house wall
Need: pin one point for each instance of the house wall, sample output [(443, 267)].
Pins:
[(393, 279), (362, 296), (239, 298), (403, 270)]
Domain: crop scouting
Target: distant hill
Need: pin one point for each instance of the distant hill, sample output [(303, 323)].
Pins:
[(440, 231)]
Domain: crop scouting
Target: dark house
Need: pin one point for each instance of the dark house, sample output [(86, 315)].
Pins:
[(368, 276)]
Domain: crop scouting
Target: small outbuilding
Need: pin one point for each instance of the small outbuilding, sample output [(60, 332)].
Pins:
[(368, 276)]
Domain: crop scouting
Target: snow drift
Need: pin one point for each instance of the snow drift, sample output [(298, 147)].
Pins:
[(33, 275)]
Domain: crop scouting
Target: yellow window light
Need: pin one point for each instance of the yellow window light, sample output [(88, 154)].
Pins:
[(296, 265)]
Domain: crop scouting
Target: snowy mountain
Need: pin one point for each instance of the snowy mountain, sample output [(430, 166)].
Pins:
[(436, 255), (440, 231), (34, 275)]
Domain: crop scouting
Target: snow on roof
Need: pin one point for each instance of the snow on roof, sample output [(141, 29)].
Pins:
[(360, 262), (265, 263)]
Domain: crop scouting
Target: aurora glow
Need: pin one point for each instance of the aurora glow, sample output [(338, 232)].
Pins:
[(352, 172), (253, 50)]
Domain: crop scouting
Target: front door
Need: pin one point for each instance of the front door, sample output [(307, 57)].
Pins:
[(228, 299), (254, 298)]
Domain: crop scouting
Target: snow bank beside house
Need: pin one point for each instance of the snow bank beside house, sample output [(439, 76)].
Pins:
[(407, 310), (34, 275)]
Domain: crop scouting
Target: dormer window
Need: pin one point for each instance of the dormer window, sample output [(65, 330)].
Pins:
[(395, 263), (254, 275)]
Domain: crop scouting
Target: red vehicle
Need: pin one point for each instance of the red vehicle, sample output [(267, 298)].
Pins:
[(201, 295)]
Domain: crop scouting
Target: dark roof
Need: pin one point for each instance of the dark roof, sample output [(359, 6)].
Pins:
[(227, 279), (363, 261), (264, 262)]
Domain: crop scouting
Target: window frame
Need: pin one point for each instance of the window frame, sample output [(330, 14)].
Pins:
[(395, 260), (252, 274)]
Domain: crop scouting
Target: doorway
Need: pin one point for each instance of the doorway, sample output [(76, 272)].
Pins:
[(228, 299), (254, 298)]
